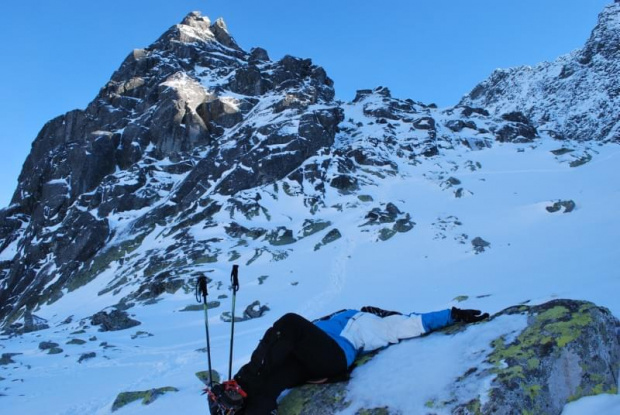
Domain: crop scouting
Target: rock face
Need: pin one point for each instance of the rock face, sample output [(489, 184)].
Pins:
[(568, 349), (172, 124), (559, 96), (113, 321), (192, 130)]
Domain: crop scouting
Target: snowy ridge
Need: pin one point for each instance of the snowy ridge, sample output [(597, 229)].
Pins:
[(560, 96)]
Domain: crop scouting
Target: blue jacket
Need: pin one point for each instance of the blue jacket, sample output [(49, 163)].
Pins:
[(371, 328)]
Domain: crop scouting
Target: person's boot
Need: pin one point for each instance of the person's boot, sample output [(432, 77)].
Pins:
[(227, 397)]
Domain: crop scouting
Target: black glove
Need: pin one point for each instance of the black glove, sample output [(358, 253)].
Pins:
[(467, 316)]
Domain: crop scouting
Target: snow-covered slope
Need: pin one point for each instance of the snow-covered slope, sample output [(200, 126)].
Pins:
[(534, 256)]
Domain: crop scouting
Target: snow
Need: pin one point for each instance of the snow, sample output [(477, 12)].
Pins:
[(442, 359), (535, 256), (603, 404)]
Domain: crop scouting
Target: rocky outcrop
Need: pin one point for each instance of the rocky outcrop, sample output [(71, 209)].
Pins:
[(113, 321), (567, 350), (175, 114), (147, 396)]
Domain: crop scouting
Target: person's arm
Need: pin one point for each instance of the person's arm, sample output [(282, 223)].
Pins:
[(439, 319)]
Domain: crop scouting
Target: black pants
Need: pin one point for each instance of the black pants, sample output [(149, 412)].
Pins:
[(292, 352)]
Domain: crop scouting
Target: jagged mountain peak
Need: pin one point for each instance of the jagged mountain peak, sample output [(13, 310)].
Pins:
[(198, 28), (605, 38), (197, 20)]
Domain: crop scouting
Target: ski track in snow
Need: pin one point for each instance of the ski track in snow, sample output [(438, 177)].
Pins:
[(336, 282)]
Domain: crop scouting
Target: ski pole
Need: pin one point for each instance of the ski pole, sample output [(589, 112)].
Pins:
[(201, 291), (234, 279)]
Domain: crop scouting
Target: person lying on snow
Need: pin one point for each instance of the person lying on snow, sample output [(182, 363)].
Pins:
[(296, 351)]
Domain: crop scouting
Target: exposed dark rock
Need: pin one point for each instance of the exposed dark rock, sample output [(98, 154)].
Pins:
[(469, 111), (361, 93), (516, 133), (458, 125), (280, 236), (141, 335), (424, 123), (331, 236), (6, 358), (113, 321), (47, 345), (34, 323), (254, 310), (345, 183), (200, 307), (568, 206), (258, 54), (517, 117), (87, 356), (479, 244), (312, 226), (386, 215)]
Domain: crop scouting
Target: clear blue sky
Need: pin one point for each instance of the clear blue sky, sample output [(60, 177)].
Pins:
[(57, 54)]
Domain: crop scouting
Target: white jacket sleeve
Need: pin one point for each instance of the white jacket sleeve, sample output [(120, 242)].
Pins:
[(369, 332)]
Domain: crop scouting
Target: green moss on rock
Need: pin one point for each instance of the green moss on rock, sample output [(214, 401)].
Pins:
[(204, 376), (545, 366), (147, 396)]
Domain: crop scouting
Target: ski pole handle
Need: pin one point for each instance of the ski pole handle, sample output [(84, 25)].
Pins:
[(201, 289), (234, 278)]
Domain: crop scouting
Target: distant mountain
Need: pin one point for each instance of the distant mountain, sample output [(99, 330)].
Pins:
[(193, 125), (574, 97)]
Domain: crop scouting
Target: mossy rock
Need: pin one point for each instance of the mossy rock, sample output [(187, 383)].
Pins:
[(200, 307), (568, 350), (331, 236), (147, 396), (280, 236), (55, 350), (204, 376), (312, 226), (309, 399), (386, 233), (76, 341)]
